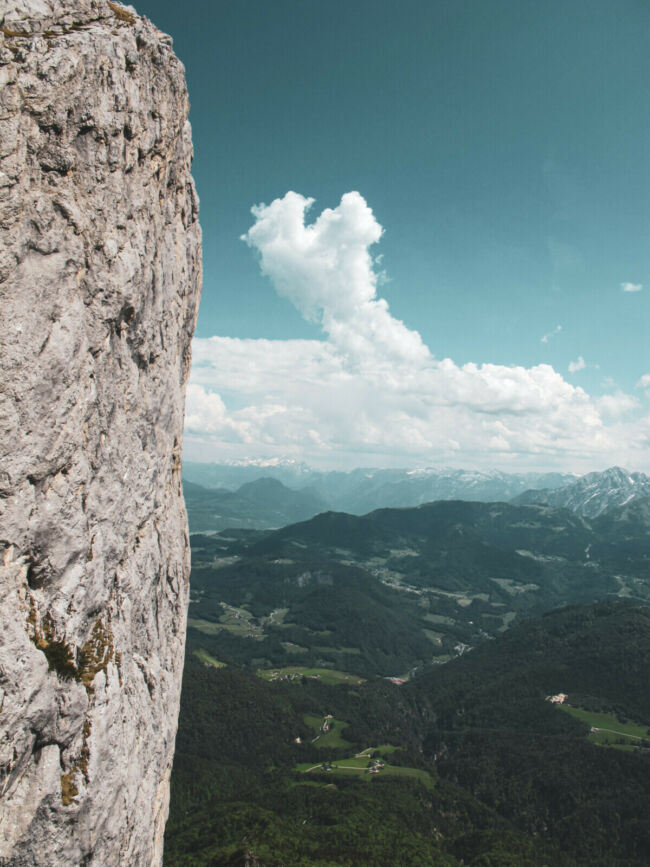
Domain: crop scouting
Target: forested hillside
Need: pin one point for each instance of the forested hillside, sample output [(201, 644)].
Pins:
[(403, 589), (477, 766)]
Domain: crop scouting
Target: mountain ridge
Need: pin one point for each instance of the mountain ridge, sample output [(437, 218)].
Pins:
[(264, 503), (592, 494), (361, 490)]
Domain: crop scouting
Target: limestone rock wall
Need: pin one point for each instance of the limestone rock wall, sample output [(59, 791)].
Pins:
[(99, 282)]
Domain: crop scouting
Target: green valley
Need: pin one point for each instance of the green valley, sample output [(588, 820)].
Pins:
[(473, 765), (401, 590), (430, 633)]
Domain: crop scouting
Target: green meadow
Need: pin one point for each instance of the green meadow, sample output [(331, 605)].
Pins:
[(333, 738), (607, 729), (329, 676), (207, 659), (357, 766)]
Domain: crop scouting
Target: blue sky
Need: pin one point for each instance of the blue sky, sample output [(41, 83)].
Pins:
[(503, 148)]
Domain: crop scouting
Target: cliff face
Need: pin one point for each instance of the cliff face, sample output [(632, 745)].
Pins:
[(99, 283)]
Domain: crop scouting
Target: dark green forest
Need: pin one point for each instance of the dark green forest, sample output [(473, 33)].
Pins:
[(510, 778), (295, 748)]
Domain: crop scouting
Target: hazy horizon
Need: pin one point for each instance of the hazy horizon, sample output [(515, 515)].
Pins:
[(423, 467)]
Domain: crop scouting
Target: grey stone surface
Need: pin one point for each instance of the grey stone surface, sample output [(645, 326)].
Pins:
[(100, 276)]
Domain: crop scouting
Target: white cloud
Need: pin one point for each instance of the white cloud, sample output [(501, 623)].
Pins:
[(644, 382), (578, 364), (205, 412), (325, 269), (546, 337), (371, 392), (631, 287), (617, 404)]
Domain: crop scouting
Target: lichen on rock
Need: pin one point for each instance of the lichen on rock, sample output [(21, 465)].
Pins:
[(100, 272)]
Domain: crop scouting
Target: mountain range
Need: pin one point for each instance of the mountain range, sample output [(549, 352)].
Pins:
[(362, 490), (398, 589), (306, 492), (424, 639), (594, 494), (259, 504)]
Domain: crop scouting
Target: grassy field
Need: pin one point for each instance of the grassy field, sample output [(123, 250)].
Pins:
[(374, 752), (334, 737), (290, 647), (329, 676), (439, 618), (207, 659), (206, 626), (357, 766), (229, 623), (610, 729), (275, 618), (352, 764), (314, 721)]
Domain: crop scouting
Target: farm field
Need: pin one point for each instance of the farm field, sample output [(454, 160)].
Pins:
[(382, 750), (357, 766), (329, 676), (205, 626), (290, 647), (207, 659), (609, 729), (440, 618), (332, 738), (232, 622)]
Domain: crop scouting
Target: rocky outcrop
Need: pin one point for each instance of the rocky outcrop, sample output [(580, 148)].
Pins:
[(99, 285)]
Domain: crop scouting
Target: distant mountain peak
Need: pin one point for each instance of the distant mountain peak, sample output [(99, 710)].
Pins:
[(366, 488), (267, 483), (288, 463), (594, 493)]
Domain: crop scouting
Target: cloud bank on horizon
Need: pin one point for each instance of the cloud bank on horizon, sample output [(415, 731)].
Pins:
[(371, 392)]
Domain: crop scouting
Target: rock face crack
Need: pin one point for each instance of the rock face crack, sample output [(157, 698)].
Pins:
[(100, 273)]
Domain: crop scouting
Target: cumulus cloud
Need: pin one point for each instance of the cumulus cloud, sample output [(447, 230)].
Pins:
[(644, 381), (578, 364), (546, 337), (631, 287), (326, 270), (205, 412), (371, 391), (617, 404)]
